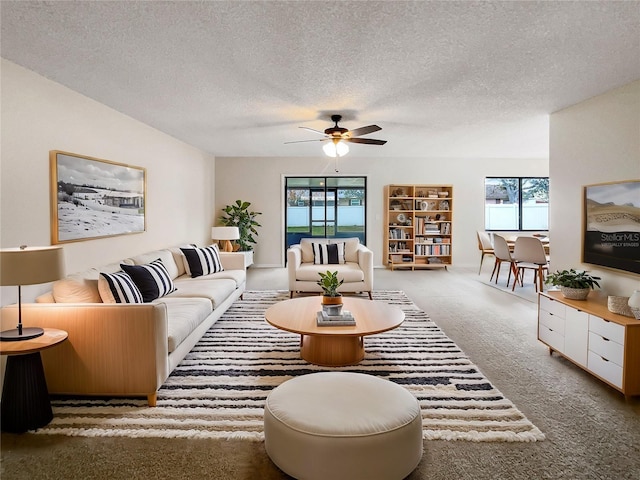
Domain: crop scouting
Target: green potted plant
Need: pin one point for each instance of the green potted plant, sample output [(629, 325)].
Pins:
[(239, 215), (573, 284), (329, 282)]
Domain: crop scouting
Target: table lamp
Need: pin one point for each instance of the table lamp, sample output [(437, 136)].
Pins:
[(28, 266), (227, 234)]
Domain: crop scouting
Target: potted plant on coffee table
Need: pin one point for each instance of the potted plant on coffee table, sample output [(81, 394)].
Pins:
[(573, 284), (331, 298)]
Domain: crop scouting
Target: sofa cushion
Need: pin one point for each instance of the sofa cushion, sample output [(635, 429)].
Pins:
[(183, 317), (82, 287), (118, 287), (165, 255), (328, 253), (216, 291), (152, 279), (350, 272), (238, 276), (202, 261), (76, 289)]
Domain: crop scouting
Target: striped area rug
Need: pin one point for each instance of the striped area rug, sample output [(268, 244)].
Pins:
[(219, 389)]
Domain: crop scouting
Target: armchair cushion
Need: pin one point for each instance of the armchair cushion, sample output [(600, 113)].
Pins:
[(350, 248), (350, 272), (328, 253)]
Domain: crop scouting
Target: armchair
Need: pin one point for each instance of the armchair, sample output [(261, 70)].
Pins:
[(356, 269)]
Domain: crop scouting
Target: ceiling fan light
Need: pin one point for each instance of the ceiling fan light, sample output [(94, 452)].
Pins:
[(335, 149)]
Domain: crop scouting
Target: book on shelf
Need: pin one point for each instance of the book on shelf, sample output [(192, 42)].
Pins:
[(345, 319)]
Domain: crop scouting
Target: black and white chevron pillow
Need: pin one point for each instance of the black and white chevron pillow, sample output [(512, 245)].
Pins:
[(202, 261), (152, 279), (118, 288), (328, 253)]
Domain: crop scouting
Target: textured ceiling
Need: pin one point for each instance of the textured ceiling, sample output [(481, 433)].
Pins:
[(456, 79)]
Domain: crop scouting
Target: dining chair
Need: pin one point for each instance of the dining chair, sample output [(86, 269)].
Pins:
[(502, 254), (529, 254), (485, 246)]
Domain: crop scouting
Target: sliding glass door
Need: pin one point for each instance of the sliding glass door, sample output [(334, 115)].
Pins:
[(331, 207)]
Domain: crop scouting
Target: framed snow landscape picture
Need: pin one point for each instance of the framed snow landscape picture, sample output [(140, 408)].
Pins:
[(93, 198), (612, 225)]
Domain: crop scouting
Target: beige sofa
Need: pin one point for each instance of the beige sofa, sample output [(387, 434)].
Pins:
[(122, 349), (357, 269)]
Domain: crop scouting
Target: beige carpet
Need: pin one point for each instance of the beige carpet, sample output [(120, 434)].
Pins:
[(591, 431)]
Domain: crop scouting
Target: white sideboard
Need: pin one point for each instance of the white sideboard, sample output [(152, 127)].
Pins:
[(585, 332)]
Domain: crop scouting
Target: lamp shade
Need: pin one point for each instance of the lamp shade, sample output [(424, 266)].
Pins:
[(335, 149), (225, 233), (31, 265)]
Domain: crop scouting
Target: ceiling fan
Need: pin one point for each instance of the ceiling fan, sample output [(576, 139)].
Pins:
[(336, 137)]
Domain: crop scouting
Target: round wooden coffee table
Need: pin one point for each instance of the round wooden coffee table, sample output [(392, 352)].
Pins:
[(333, 346)]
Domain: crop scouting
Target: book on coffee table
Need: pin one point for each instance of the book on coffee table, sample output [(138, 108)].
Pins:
[(345, 319)]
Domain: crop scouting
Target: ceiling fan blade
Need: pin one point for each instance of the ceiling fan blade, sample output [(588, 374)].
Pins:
[(364, 130), (313, 130), (367, 141), (302, 141)]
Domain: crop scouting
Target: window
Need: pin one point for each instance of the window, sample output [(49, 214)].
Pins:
[(331, 207), (516, 203)]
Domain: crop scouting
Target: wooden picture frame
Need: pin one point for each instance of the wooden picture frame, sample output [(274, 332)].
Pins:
[(611, 225), (94, 198)]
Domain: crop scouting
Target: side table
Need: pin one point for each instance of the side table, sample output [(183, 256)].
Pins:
[(25, 397)]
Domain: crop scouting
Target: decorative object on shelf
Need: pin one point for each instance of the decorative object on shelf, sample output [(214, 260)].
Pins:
[(28, 266), (225, 234), (401, 218), (239, 215), (94, 198), (444, 205), (443, 194), (573, 284), (619, 305), (634, 304), (331, 298)]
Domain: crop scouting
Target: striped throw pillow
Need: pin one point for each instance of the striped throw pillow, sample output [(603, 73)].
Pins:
[(202, 261), (118, 288), (152, 279), (328, 253)]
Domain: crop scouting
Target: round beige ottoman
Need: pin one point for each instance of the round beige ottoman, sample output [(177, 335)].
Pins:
[(340, 425)]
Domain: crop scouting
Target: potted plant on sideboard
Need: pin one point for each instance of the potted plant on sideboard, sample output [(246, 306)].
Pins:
[(239, 215), (573, 284)]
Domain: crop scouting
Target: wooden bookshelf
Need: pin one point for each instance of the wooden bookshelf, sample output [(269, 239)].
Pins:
[(418, 226)]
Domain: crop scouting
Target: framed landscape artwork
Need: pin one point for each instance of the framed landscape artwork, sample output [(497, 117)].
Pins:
[(612, 225), (94, 198)]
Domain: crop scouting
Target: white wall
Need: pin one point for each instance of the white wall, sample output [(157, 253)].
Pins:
[(595, 141), (39, 115), (259, 181)]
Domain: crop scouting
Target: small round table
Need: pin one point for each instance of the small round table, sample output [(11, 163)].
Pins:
[(333, 346), (25, 397)]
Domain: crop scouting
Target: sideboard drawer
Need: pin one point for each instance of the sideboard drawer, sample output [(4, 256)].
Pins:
[(609, 330), (551, 337), (608, 349), (552, 306), (605, 369), (554, 322)]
